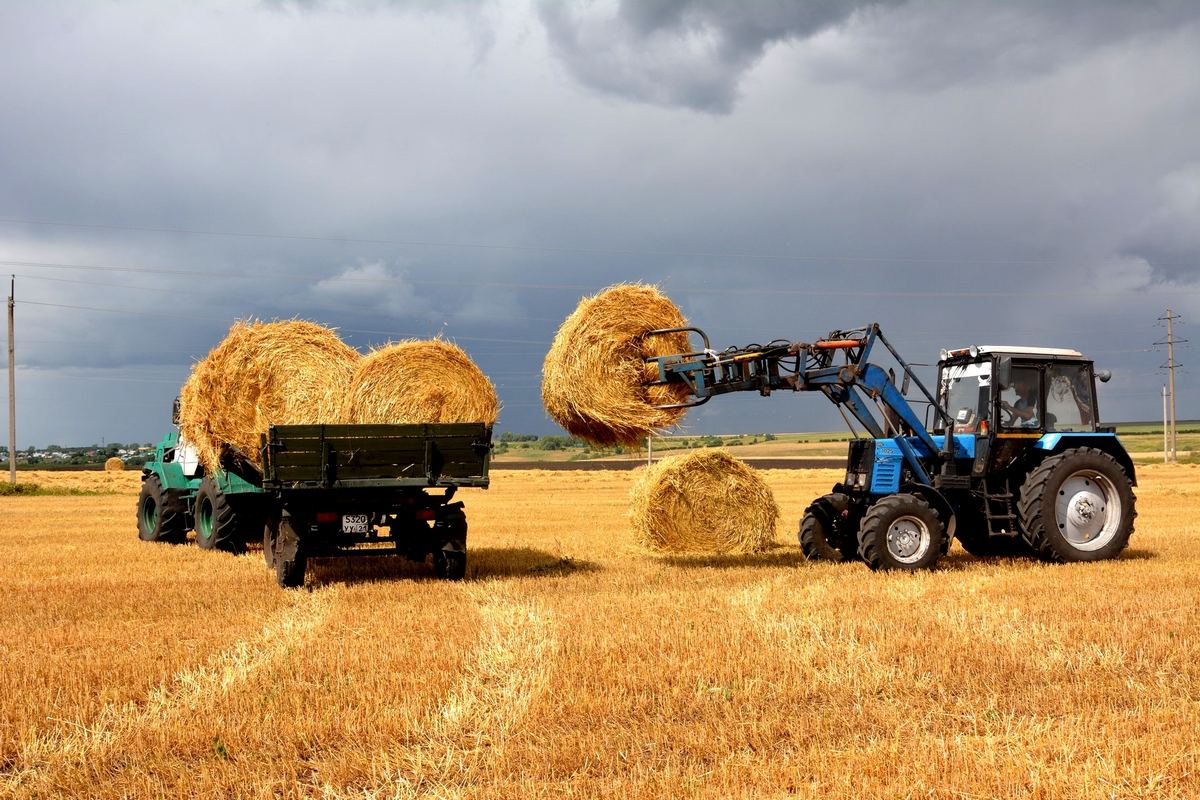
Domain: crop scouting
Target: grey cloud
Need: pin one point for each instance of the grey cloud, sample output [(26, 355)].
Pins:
[(690, 53), (1168, 239), (929, 45), (694, 53)]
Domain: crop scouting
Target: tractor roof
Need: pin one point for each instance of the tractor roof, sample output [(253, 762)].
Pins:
[(1015, 350)]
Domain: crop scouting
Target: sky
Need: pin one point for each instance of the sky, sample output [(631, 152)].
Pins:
[(960, 171)]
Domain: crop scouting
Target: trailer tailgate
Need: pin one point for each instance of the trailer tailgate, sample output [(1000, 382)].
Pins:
[(331, 456)]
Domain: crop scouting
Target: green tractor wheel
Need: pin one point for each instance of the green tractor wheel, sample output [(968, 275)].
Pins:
[(155, 522), (216, 523)]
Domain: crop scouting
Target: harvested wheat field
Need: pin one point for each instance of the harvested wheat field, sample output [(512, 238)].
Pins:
[(573, 663)]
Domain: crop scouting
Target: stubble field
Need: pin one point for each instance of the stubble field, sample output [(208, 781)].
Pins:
[(572, 664)]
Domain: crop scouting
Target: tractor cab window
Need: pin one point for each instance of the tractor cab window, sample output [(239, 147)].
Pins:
[(1021, 399), (1069, 398), (967, 394)]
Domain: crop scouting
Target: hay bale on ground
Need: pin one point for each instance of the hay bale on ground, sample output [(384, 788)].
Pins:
[(114, 464), (419, 381), (263, 373), (705, 501), (593, 378)]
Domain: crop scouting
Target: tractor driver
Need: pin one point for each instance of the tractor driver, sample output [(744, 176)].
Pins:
[(1022, 413)]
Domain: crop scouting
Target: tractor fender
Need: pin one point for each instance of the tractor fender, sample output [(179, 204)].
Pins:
[(939, 503)]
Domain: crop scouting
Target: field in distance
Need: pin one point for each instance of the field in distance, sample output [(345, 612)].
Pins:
[(1143, 440), (572, 663)]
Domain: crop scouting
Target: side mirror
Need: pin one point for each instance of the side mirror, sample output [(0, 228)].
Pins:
[(1104, 375), (905, 384), (175, 412), (1003, 371)]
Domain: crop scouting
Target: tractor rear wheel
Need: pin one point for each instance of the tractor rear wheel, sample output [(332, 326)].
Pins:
[(1077, 506), (216, 523), (828, 530), (901, 531), (155, 522)]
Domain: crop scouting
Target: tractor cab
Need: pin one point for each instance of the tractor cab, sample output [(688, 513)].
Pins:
[(1018, 391)]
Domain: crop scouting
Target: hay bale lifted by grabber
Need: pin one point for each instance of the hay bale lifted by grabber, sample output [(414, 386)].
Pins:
[(419, 381), (705, 501), (594, 379)]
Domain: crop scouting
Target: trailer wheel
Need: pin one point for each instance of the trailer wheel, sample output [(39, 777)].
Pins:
[(828, 531), (1077, 506), (903, 532), (283, 552), (155, 522), (216, 523), (450, 565)]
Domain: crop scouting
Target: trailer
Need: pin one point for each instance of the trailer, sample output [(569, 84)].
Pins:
[(324, 491)]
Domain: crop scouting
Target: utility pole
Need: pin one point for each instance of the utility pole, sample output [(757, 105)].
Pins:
[(1171, 366), (12, 388)]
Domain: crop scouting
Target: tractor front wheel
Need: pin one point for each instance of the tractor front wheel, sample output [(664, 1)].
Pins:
[(903, 532), (1077, 506)]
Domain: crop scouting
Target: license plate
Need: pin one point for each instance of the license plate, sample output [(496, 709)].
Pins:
[(354, 523)]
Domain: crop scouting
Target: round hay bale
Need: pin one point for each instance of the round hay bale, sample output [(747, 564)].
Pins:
[(114, 464), (705, 501), (593, 378), (419, 381), (287, 372)]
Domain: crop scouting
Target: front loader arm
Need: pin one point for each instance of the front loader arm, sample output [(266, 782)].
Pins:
[(854, 385)]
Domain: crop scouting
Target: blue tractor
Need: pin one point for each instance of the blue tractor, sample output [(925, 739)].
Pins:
[(1008, 456)]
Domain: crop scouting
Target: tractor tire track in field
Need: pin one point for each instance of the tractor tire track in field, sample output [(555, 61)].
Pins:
[(88, 747), (507, 672), (979, 622)]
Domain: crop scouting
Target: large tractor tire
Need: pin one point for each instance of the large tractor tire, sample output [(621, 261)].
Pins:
[(216, 523), (1077, 506), (828, 530), (283, 551), (903, 532), (155, 522)]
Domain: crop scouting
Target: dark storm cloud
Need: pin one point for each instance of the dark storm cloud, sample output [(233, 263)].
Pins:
[(694, 53), (680, 52)]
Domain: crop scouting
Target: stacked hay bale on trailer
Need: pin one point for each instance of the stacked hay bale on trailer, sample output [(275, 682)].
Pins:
[(419, 381)]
